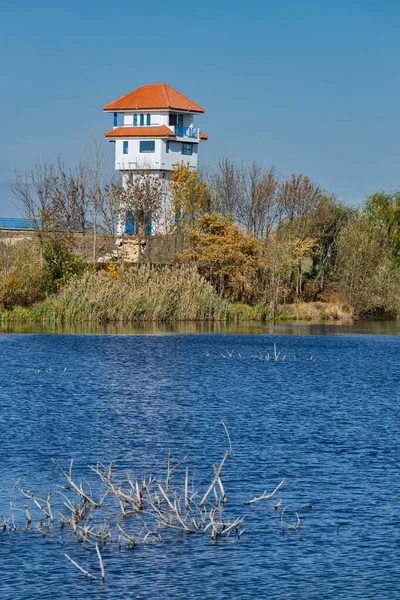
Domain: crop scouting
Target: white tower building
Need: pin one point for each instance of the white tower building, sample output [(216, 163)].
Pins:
[(154, 130)]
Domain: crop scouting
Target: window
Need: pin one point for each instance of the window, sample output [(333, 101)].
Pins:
[(141, 120), (115, 119), (167, 147), (172, 119), (148, 119), (187, 149), (180, 120), (124, 147), (147, 147), (135, 120)]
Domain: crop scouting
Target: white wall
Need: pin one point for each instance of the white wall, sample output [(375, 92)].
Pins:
[(135, 159), (159, 160), (175, 156), (156, 118)]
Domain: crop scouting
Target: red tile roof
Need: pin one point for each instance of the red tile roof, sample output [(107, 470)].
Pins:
[(161, 131), (154, 96), (141, 132)]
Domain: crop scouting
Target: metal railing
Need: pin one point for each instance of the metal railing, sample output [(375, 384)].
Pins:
[(186, 132)]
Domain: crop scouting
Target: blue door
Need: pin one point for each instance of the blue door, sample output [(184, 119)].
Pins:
[(129, 223), (148, 225)]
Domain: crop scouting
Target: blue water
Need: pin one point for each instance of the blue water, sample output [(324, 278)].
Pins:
[(330, 425)]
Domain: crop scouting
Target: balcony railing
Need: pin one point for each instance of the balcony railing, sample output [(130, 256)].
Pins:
[(187, 132)]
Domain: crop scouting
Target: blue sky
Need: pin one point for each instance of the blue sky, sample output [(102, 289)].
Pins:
[(309, 86)]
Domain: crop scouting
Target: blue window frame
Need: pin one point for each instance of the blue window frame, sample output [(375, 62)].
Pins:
[(141, 120), (148, 120), (180, 120), (115, 119), (187, 148), (135, 120), (147, 146), (124, 147), (167, 147)]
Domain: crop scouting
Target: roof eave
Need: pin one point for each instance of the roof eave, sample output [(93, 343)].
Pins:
[(186, 110)]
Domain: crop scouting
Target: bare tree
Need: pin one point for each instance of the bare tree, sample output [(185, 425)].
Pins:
[(249, 194), (300, 199), (143, 199), (227, 183), (100, 196), (139, 200), (33, 192), (260, 209), (110, 209), (69, 198)]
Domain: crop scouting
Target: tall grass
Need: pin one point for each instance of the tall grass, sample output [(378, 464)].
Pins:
[(140, 293)]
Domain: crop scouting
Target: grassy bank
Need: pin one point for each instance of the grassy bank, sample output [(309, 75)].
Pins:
[(315, 311), (141, 294), (146, 294)]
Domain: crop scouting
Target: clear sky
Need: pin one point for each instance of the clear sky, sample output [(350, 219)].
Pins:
[(310, 86)]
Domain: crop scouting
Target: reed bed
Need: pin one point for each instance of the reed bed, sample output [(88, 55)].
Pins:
[(140, 293)]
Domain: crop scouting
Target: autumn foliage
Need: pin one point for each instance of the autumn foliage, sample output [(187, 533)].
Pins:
[(252, 236), (224, 254)]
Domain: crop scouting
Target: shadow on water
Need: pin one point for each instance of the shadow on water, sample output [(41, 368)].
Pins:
[(206, 327)]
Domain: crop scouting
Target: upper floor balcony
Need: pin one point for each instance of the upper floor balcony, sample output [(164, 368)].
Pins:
[(187, 132)]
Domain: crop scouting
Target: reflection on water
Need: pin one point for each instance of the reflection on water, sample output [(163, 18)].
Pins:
[(190, 327)]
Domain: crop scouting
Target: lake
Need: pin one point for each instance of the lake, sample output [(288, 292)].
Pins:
[(326, 418)]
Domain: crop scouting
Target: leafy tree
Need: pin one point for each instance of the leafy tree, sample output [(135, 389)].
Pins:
[(300, 201), (385, 209), (329, 219), (190, 199), (225, 255), (60, 265), (365, 274), (21, 275)]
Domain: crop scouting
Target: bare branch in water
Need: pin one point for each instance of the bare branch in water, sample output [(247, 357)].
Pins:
[(264, 495), (80, 568)]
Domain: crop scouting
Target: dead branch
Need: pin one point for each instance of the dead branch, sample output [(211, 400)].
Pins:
[(264, 495), (78, 490), (80, 568), (100, 562), (126, 537), (214, 481)]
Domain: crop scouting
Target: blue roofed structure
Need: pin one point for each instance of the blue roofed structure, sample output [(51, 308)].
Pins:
[(15, 224)]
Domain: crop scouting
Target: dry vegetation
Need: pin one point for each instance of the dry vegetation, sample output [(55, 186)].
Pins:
[(127, 511)]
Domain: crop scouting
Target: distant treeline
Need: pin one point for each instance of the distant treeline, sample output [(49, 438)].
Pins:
[(243, 242)]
